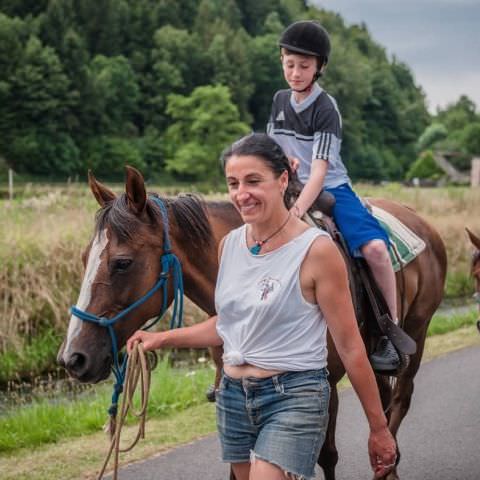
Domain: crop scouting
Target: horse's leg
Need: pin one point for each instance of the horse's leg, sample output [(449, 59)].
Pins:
[(385, 389), (328, 457), (402, 396)]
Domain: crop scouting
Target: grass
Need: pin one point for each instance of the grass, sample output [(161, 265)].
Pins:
[(50, 420), (81, 457), (38, 355), (442, 324)]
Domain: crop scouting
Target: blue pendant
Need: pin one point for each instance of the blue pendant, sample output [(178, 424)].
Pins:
[(255, 250)]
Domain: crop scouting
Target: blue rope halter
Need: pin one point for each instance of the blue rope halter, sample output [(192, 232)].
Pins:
[(169, 262)]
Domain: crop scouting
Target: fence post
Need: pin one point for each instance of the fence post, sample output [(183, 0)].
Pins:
[(475, 172), (10, 185)]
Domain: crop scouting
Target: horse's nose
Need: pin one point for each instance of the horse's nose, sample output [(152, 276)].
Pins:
[(77, 364)]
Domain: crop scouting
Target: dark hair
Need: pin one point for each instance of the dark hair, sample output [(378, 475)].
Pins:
[(266, 149)]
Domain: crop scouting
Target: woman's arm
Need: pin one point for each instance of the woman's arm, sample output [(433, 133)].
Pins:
[(332, 293), (201, 335)]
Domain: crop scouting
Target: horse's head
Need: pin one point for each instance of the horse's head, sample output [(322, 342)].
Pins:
[(122, 263), (475, 266)]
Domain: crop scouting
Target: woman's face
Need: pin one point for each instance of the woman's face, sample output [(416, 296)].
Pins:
[(254, 188)]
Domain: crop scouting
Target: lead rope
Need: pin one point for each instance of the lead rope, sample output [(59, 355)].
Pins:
[(138, 368)]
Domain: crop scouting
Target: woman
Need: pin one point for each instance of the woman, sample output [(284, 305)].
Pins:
[(280, 284)]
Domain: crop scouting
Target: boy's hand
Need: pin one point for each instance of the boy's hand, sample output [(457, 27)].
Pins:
[(294, 163)]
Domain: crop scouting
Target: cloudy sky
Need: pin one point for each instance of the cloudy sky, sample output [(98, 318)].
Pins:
[(438, 39)]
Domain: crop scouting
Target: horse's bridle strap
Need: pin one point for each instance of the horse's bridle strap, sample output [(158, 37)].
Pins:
[(169, 262)]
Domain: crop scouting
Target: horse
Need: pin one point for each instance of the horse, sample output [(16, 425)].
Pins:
[(122, 262), (475, 267)]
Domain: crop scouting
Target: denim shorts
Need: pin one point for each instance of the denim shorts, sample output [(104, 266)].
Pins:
[(281, 419)]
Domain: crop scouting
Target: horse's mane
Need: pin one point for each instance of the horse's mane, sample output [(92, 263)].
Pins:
[(188, 211)]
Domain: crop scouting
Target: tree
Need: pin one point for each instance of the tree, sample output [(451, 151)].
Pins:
[(204, 123), (458, 115), (268, 78), (432, 134), (178, 65), (229, 56), (36, 100), (115, 95), (471, 139)]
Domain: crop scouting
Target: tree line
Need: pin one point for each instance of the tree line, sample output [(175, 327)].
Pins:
[(455, 132), (165, 85)]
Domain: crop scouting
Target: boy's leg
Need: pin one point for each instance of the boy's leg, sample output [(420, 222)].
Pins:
[(364, 235), (376, 255)]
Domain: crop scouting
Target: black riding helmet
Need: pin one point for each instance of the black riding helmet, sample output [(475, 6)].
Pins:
[(309, 38)]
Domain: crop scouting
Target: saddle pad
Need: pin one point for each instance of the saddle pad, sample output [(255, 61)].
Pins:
[(406, 243)]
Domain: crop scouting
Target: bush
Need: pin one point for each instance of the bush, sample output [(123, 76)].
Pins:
[(424, 167), (37, 152), (109, 155)]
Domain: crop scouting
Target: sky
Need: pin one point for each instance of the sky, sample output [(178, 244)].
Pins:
[(438, 39)]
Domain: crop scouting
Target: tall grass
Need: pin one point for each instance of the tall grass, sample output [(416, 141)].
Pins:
[(45, 229)]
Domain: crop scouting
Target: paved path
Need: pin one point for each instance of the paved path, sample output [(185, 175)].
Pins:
[(439, 439)]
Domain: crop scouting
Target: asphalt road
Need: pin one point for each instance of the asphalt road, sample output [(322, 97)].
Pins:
[(439, 439)]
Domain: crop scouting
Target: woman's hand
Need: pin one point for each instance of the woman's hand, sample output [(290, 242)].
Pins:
[(149, 340), (382, 450)]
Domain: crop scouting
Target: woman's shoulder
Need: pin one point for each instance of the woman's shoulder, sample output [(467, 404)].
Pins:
[(321, 248)]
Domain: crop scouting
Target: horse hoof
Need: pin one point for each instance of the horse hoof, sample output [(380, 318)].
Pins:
[(391, 476), (210, 393)]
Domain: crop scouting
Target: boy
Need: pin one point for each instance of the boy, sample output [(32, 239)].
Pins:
[(306, 123)]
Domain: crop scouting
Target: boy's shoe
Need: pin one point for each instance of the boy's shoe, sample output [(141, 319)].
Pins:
[(385, 357)]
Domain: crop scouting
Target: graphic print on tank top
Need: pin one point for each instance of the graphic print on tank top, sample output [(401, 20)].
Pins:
[(269, 288)]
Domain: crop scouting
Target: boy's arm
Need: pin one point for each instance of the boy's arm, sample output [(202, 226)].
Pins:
[(312, 188)]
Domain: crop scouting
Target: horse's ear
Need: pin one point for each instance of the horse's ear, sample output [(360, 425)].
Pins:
[(473, 238), (136, 193), (100, 191)]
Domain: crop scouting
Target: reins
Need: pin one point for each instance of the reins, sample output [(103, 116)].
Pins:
[(127, 371), (138, 368)]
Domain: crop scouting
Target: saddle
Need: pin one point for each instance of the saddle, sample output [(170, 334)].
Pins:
[(370, 306)]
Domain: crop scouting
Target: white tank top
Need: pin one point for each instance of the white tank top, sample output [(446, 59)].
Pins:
[(263, 318)]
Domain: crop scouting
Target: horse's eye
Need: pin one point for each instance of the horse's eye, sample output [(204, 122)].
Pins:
[(121, 264)]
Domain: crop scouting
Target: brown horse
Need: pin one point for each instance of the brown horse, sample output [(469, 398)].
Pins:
[(122, 263), (475, 267)]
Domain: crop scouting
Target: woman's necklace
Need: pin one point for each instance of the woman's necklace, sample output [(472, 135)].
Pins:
[(255, 249)]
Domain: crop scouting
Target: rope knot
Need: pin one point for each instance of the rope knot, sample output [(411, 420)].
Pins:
[(118, 388), (112, 411), (104, 322)]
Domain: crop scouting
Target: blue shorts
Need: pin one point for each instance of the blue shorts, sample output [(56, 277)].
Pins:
[(356, 224), (281, 419)]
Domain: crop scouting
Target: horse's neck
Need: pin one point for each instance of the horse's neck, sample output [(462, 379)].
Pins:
[(200, 266)]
